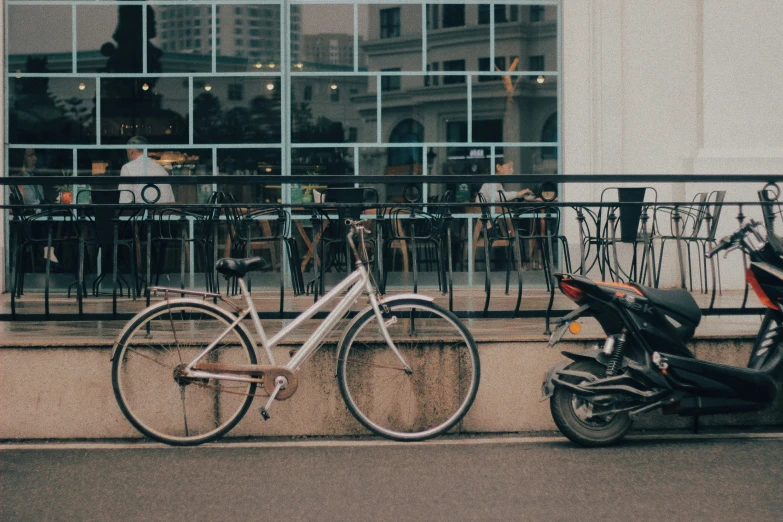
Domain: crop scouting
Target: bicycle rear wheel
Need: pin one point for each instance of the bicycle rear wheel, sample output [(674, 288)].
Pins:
[(154, 347), (425, 402)]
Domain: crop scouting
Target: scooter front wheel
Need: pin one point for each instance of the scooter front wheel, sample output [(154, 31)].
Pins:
[(575, 417)]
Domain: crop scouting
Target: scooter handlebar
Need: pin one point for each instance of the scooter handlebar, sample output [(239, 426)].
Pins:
[(733, 240)]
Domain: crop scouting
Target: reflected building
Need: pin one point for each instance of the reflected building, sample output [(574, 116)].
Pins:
[(434, 107), (241, 30)]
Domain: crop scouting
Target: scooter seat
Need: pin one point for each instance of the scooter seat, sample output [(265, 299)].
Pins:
[(678, 301)]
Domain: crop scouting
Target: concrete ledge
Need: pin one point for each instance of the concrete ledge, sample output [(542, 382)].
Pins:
[(66, 393)]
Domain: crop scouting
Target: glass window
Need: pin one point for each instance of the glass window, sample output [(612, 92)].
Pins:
[(156, 108), (453, 15), (536, 13), (250, 161), (255, 118), (390, 83), (500, 65), (323, 117), (453, 65), (51, 110), (232, 122), (500, 14), (390, 22)]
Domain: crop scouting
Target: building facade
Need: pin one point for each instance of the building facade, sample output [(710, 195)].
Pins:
[(635, 87)]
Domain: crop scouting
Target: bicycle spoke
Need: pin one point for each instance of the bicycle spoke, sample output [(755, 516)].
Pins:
[(148, 376)]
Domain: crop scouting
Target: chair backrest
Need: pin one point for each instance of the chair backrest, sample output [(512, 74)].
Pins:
[(350, 195), (770, 208), (629, 216), (714, 209), (699, 212)]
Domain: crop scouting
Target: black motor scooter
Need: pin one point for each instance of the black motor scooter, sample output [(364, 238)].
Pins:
[(644, 364)]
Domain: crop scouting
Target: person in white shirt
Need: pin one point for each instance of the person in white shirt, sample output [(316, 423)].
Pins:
[(490, 189), (140, 165)]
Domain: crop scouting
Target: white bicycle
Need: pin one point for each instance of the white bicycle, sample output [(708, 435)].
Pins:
[(185, 370)]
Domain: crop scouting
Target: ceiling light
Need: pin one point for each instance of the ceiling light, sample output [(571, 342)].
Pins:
[(207, 87), (82, 86), (540, 79)]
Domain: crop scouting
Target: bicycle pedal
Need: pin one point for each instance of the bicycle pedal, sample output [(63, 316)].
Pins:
[(264, 413)]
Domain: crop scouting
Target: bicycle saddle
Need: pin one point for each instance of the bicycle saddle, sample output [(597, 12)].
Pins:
[(233, 267)]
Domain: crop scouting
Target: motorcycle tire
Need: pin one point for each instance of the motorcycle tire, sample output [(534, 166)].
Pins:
[(573, 414)]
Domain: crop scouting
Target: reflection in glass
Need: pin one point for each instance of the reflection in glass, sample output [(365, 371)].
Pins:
[(376, 161), (110, 39), (184, 34), (457, 38), (250, 162), (515, 110), (51, 110), (156, 108), (409, 119), (537, 49), (177, 162), (38, 31), (236, 110), (314, 161), (331, 110), (248, 37), (391, 25), (322, 37)]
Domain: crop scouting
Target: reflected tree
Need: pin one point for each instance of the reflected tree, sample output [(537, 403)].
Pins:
[(134, 106), (208, 123), (36, 115)]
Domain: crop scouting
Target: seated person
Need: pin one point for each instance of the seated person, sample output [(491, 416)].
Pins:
[(488, 189), (140, 165)]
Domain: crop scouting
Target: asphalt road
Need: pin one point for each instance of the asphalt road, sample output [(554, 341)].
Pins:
[(483, 479)]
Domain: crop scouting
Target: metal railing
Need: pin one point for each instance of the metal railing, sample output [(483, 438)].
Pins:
[(603, 243)]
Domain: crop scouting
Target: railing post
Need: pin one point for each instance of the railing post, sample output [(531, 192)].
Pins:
[(551, 262), (678, 234), (149, 222), (580, 218), (741, 219), (613, 263), (648, 256), (414, 249), (315, 259)]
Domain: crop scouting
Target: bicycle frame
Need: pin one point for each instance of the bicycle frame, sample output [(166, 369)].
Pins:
[(355, 284)]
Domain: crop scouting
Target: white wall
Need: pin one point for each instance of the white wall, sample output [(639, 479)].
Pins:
[(674, 87)]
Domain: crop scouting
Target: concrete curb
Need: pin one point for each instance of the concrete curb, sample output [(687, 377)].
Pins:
[(54, 392)]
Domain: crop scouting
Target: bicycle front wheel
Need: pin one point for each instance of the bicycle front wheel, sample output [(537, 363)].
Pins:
[(409, 405), (150, 391)]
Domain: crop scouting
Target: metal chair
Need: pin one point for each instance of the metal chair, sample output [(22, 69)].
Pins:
[(169, 226), (268, 228), (30, 239), (108, 228), (636, 226), (333, 247), (415, 233), (685, 224)]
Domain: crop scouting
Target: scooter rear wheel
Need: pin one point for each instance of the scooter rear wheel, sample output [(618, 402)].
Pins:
[(573, 414)]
